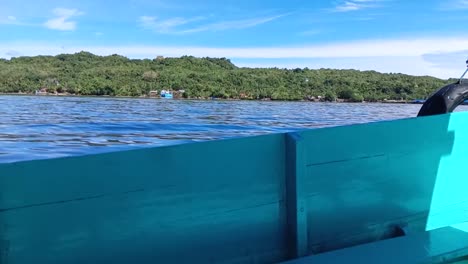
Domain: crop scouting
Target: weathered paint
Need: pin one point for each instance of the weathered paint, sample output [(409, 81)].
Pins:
[(259, 199)]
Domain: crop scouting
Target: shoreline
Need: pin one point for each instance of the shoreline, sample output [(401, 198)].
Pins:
[(213, 99)]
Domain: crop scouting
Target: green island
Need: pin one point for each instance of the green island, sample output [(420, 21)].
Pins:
[(189, 77)]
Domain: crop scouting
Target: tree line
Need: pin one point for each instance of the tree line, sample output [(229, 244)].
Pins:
[(84, 73)]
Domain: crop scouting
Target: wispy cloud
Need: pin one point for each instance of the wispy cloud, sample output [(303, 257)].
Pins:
[(10, 20), (165, 26), (180, 25), (62, 21), (234, 24), (454, 5), (355, 5)]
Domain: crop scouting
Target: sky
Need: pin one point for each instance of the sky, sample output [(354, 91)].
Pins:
[(416, 37)]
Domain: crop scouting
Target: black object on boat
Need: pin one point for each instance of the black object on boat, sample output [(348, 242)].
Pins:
[(447, 98)]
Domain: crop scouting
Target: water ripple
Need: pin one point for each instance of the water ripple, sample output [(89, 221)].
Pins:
[(45, 127)]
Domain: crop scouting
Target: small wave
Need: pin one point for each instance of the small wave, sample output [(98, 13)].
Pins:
[(47, 127)]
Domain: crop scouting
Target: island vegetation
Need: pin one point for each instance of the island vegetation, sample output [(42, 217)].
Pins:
[(84, 73)]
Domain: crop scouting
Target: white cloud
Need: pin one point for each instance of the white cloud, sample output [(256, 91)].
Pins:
[(165, 26), (234, 24), (418, 56), (173, 25), (11, 18), (62, 21), (354, 5), (348, 6)]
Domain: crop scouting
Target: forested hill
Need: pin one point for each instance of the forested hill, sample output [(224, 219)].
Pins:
[(87, 74)]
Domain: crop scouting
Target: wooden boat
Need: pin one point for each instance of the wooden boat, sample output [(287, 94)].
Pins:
[(166, 94), (382, 192)]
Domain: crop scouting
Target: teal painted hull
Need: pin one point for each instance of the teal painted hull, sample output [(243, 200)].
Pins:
[(262, 199)]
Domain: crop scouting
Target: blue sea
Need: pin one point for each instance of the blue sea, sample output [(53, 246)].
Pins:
[(39, 127)]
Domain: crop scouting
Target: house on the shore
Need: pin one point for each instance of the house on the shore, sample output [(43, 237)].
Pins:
[(153, 93), (42, 91)]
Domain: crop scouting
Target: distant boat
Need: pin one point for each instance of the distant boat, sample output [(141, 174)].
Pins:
[(166, 94)]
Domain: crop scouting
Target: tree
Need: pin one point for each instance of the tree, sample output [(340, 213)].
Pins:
[(84, 73)]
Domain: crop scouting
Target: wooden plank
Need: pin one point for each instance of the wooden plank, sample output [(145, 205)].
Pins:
[(436, 246), (205, 166), (385, 192), (397, 136), (178, 204), (124, 230), (365, 181), (296, 196)]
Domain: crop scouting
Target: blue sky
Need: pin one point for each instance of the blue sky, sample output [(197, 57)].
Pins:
[(413, 37)]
